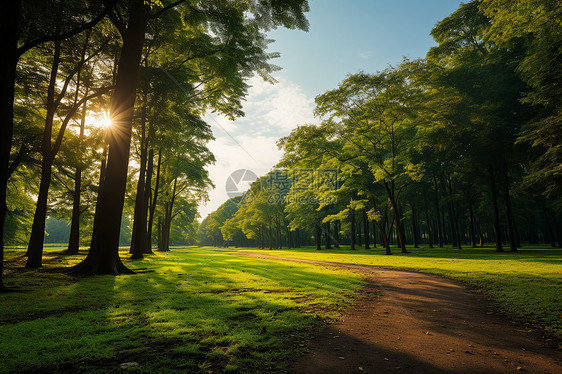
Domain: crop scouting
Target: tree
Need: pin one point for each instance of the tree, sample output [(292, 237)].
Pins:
[(537, 24), (19, 36), (374, 115), (231, 25)]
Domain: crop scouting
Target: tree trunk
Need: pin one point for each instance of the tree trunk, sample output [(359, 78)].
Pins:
[(385, 239), (147, 245), (455, 219), (328, 235), (35, 246), (138, 238), (509, 212), (497, 232), (438, 214), (74, 240), (154, 201), (353, 233), (336, 235), (471, 218), (366, 233), (318, 236), (9, 27), (105, 255), (374, 224), (429, 233), (415, 231)]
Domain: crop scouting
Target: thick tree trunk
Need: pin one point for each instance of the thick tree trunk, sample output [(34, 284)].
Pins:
[(496, 224), (9, 27), (106, 250), (374, 224)]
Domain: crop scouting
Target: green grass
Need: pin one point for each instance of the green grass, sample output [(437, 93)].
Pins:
[(190, 310), (526, 284)]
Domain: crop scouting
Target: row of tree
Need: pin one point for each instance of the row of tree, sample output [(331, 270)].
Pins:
[(463, 147), (149, 68)]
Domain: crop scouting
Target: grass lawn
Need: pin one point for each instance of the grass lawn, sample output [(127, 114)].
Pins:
[(189, 310), (526, 284)]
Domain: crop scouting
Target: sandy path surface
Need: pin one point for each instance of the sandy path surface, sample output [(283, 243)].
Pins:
[(407, 322)]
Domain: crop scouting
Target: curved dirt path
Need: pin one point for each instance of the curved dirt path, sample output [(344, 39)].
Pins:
[(407, 322)]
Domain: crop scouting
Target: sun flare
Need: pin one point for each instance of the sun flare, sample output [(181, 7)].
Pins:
[(105, 121)]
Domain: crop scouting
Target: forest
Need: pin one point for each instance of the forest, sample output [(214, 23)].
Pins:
[(451, 163), (461, 148)]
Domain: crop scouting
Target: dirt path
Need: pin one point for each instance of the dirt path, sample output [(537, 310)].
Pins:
[(406, 322)]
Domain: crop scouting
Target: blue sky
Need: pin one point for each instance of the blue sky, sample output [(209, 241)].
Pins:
[(353, 35), (344, 37)]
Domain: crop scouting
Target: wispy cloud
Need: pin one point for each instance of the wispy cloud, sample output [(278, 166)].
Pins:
[(366, 55), (272, 111)]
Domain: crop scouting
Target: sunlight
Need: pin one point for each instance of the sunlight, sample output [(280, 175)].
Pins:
[(99, 120), (104, 121)]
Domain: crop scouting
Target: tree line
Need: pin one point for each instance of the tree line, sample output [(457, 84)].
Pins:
[(461, 148), (149, 70)]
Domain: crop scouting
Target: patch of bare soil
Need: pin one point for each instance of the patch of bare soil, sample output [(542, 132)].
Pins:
[(407, 322)]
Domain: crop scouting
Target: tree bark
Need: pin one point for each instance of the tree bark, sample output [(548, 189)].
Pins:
[(168, 215), (429, 233), (509, 212), (353, 233), (327, 236), (374, 224), (147, 248), (497, 232), (35, 246), (455, 219), (471, 218), (74, 240), (318, 236), (105, 253), (438, 214), (415, 231), (366, 233), (154, 200), (9, 27), (138, 237), (336, 235)]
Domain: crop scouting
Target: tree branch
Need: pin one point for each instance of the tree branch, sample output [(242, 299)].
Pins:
[(51, 38)]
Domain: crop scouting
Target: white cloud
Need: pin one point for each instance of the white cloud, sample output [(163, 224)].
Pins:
[(272, 111), (366, 55)]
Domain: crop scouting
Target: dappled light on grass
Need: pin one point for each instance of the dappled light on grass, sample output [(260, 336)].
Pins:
[(192, 309)]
